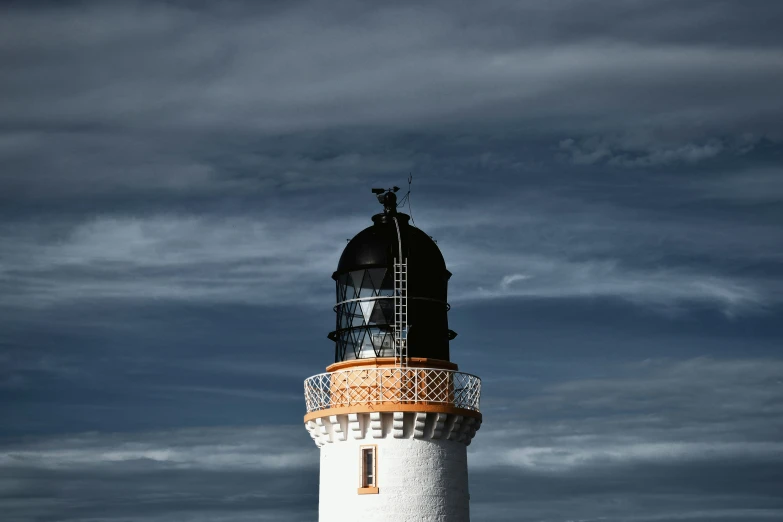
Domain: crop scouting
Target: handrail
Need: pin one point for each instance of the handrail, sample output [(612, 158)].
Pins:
[(376, 297), (392, 385)]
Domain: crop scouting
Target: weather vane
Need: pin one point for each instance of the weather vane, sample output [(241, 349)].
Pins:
[(387, 198)]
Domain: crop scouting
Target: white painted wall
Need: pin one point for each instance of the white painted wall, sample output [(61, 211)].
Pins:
[(418, 480)]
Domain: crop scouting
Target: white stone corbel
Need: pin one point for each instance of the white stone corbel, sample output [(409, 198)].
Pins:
[(398, 424), (419, 423), (437, 427), (312, 430), (453, 426), (337, 427), (355, 426), (324, 429), (376, 425), (464, 429)]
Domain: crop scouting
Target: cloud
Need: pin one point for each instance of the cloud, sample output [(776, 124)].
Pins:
[(558, 278), (566, 248), (178, 180), (105, 166), (171, 257), (757, 185), (654, 440), (215, 449), (282, 256), (658, 440), (202, 474), (646, 151), (268, 261), (655, 411), (423, 64)]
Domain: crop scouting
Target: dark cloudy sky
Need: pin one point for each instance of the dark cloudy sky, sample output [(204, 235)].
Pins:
[(177, 181)]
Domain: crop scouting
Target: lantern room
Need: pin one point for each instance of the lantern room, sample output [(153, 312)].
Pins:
[(371, 289)]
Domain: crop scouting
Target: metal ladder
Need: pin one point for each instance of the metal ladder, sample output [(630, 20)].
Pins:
[(401, 312)]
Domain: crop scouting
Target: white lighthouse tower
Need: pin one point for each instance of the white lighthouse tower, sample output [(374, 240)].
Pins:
[(392, 416)]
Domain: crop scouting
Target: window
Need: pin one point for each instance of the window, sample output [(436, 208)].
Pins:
[(369, 470)]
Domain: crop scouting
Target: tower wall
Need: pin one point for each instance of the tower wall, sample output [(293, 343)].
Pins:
[(418, 480), (421, 465)]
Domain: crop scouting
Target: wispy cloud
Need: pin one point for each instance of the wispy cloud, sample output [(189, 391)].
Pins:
[(269, 258), (553, 278), (178, 181), (426, 64), (196, 474), (266, 262), (660, 429), (757, 185), (591, 152), (172, 257), (657, 411), (263, 448), (673, 436)]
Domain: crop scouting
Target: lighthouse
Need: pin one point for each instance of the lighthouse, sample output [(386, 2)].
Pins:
[(392, 416)]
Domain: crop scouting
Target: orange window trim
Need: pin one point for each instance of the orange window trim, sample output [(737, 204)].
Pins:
[(364, 487)]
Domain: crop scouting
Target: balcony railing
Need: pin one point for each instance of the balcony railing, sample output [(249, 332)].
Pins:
[(392, 386)]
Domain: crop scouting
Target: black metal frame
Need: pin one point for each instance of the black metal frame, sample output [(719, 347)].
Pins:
[(365, 312)]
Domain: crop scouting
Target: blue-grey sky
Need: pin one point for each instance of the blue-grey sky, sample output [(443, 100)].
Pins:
[(178, 179)]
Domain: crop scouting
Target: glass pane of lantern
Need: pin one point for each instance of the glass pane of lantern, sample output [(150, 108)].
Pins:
[(354, 350), (366, 289), (357, 335), (366, 307), (382, 311), (366, 281), (387, 307), (376, 339), (346, 344), (349, 320), (349, 309), (376, 276), (356, 278), (367, 347), (381, 342), (340, 320), (389, 341), (387, 286)]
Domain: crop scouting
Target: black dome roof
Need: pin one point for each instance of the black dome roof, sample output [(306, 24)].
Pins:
[(367, 280), (377, 246)]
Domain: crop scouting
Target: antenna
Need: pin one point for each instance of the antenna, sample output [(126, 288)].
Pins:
[(407, 199)]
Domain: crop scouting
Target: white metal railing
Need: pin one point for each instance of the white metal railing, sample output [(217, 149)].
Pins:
[(392, 385)]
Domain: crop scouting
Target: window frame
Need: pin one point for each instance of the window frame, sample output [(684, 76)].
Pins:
[(367, 487)]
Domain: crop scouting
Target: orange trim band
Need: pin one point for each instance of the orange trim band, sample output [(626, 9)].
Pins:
[(389, 407), (390, 362)]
